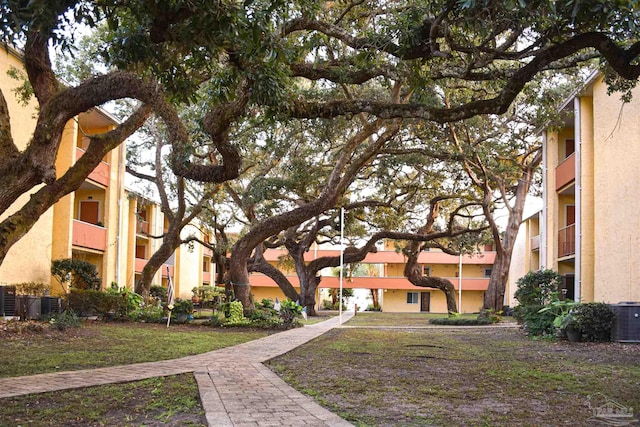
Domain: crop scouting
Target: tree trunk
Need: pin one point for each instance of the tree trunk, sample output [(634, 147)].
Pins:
[(170, 243), (308, 293), (494, 297), (413, 272), (260, 265), (375, 298)]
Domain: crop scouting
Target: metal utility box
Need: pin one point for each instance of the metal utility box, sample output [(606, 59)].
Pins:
[(7, 300), (626, 325)]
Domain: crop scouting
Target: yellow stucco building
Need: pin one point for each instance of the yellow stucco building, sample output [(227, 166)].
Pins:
[(589, 228), (385, 273), (101, 222)]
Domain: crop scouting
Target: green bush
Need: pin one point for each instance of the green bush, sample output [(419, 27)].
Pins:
[(65, 320), (535, 291), (460, 321), (290, 311), (594, 320), (93, 303), (158, 292), (535, 322), (77, 273), (149, 314), (537, 287), (236, 315)]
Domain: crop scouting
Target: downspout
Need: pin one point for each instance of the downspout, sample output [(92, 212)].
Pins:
[(578, 198), (543, 221), (120, 196)]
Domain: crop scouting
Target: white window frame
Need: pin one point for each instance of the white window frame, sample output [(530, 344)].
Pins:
[(413, 298)]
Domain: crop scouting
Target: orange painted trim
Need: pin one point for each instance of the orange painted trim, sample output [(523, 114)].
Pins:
[(469, 284), (566, 172), (89, 235), (392, 257), (101, 173)]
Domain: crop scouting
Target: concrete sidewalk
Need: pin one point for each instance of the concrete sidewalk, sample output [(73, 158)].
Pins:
[(235, 388)]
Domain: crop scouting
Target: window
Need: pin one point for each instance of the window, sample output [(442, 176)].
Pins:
[(412, 297), (426, 271), (487, 272)]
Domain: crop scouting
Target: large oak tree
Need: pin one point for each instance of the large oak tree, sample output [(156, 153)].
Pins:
[(259, 57)]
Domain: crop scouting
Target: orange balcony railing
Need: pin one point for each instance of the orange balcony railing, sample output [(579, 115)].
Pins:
[(566, 172), (206, 277), (89, 235), (140, 263), (567, 241), (101, 173), (142, 227), (535, 243)]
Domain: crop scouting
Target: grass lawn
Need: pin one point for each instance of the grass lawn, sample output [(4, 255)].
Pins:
[(164, 401), (471, 377), (377, 318), (99, 344)]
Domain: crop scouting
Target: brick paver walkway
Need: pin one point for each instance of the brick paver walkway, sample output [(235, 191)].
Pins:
[(235, 388)]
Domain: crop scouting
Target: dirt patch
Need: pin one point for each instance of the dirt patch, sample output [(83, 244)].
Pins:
[(494, 376)]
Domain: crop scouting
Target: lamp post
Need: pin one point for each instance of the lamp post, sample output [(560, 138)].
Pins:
[(341, 260)]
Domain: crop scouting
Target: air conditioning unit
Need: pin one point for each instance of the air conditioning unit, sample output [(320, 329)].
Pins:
[(7, 300), (626, 326), (50, 305)]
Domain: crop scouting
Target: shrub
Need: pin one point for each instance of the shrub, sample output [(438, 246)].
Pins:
[(534, 322), (371, 307), (90, 302), (35, 289), (535, 290), (149, 313), (78, 273), (289, 313), (537, 287), (492, 315), (236, 315), (65, 320), (208, 296), (182, 306), (460, 321), (594, 320), (158, 292)]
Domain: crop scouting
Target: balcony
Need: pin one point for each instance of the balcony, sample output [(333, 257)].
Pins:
[(206, 277), (101, 173), (567, 241), (140, 263), (535, 243), (566, 172), (89, 235), (142, 227)]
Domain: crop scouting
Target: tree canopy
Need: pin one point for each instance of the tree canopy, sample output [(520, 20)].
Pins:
[(284, 61)]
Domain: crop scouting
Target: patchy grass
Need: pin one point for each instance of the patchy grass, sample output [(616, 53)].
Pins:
[(321, 317), (474, 377), (376, 318), (162, 401), (99, 344)]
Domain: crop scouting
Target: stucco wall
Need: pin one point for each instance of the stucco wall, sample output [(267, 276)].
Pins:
[(617, 201), (30, 258), (395, 301)]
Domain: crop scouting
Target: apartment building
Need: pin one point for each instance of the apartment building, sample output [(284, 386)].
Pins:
[(102, 222), (589, 228), (189, 266), (384, 273)]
